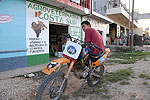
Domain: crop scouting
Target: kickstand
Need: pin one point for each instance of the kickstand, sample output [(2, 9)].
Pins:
[(93, 88)]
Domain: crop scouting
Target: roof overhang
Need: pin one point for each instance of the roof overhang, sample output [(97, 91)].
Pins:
[(66, 5), (121, 16), (101, 17)]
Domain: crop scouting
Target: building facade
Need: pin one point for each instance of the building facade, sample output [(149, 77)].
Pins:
[(12, 34), (32, 31), (45, 33), (118, 12), (98, 18), (100, 23)]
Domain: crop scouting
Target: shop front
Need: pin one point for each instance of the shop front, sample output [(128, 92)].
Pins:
[(118, 34), (45, 29), (32, 32)]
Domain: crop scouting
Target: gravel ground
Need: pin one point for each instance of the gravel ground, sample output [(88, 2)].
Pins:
[(20, 88)]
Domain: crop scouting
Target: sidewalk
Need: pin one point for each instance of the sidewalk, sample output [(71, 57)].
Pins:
[(21, 71)]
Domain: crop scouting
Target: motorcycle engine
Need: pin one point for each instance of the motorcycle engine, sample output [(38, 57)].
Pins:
[(81, 73), (81, 67)]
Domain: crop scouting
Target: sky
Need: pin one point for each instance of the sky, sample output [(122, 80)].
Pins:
[(143, 6)]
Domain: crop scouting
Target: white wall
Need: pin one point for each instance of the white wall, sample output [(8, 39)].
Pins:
[(139, 31)]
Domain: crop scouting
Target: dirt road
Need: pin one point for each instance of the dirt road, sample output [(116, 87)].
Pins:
[(20, 88), (138, 89)]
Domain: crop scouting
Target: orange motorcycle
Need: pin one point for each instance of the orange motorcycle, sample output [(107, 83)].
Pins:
[(80, 61)]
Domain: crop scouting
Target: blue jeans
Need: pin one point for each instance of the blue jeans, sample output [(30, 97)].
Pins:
[(90, 52)]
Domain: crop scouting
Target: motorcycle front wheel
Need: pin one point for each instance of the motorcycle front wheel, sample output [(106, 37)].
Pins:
[(52, 87), (95, 76)]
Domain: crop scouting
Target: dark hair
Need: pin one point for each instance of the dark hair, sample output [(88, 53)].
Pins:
[(86, 23)]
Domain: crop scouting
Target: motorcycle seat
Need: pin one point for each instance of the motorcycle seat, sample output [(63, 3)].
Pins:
[(94, 58)]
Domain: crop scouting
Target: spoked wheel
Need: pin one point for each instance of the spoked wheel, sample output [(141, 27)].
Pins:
[(52, 87), (95, 76)]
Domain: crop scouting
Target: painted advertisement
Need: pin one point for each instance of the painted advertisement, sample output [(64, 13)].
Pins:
[(38, 18), (54, 14), (37, 33), (5, 18)]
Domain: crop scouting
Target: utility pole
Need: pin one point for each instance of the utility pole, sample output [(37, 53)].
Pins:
[(129, 26), (132, 25)]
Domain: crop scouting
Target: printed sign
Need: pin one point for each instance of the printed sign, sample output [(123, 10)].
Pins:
[(37, 33), (53, 14), (72, 50), (37, 25), (118, 31), (76, 1)]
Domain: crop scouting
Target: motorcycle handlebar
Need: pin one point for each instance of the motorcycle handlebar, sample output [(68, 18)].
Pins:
[(87, 43)]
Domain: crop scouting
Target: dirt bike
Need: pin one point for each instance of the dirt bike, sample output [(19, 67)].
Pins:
[(78, 59)]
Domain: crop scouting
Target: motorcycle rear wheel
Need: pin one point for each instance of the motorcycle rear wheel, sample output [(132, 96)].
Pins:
[(95, 76), (52, 87)]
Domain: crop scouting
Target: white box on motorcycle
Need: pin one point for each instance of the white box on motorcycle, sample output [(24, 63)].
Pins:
[(72, 49)]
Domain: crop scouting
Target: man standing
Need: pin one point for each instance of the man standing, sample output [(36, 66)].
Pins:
[(92, 36), (122, 36)]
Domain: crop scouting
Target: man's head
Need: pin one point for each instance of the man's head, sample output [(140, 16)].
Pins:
[(85, 25)]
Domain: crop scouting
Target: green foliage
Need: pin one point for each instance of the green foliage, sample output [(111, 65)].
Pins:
[(127, 57), (119, 75), (106, 96), (145, 83), (124, 83), (10, 99), (146, 76), (64, 97), (122, 61)]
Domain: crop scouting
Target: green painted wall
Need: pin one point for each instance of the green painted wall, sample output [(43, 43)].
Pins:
[(37, 59)]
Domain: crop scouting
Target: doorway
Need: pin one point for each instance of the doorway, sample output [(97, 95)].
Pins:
[(122, 30), (112, 32), (56, 38)]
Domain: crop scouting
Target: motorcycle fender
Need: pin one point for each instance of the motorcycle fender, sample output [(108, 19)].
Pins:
[(98, 63), (55, 64)]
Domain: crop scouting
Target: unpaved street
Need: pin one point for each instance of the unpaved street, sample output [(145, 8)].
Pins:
[(136, 90), (20, 88)]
